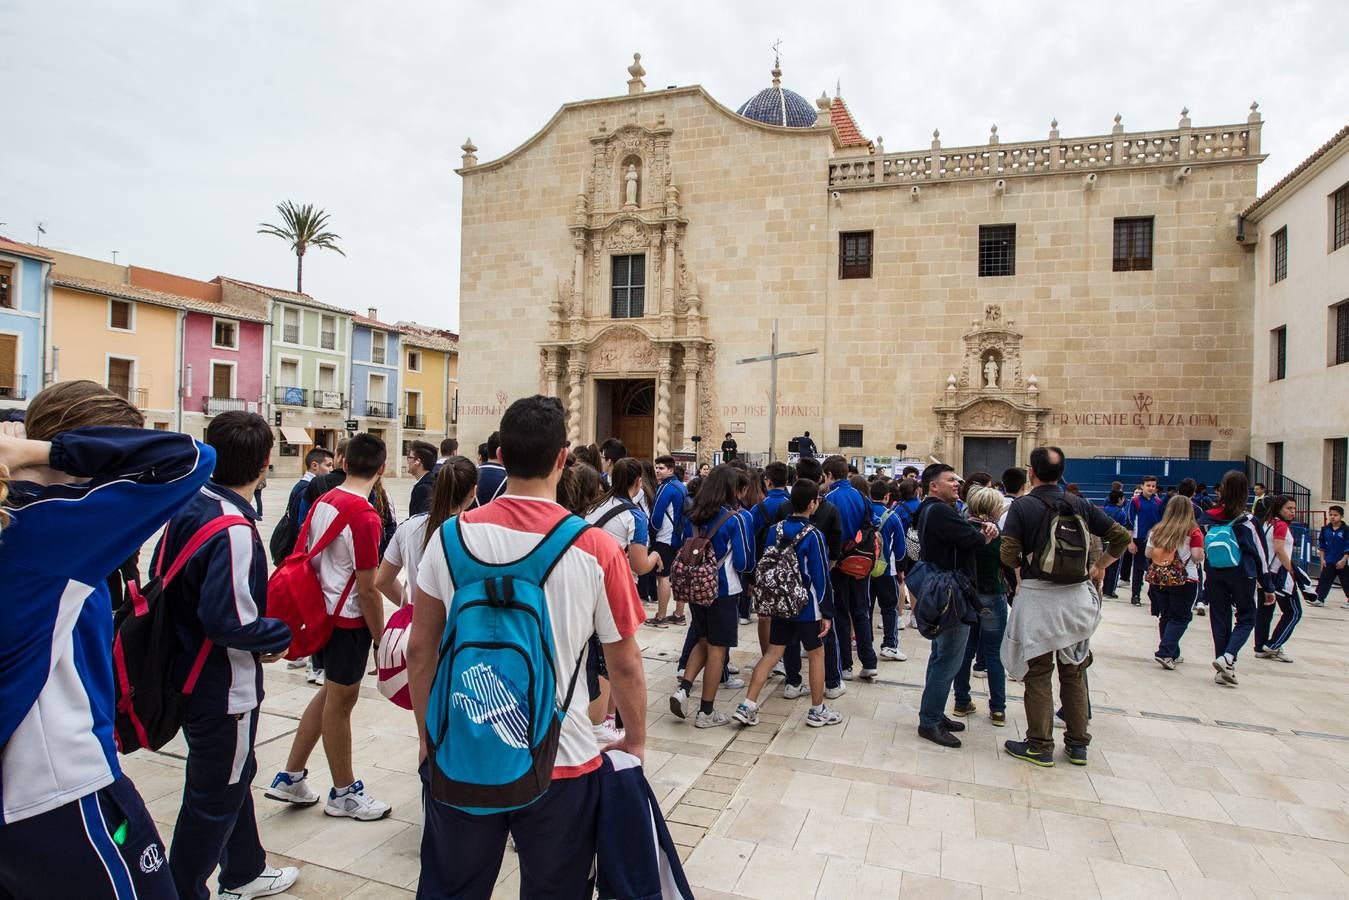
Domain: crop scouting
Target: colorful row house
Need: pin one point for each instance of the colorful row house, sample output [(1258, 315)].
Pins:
[(430, 385), (375, 378), (23, 314)]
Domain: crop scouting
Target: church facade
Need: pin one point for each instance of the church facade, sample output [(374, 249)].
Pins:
[(969, 302)]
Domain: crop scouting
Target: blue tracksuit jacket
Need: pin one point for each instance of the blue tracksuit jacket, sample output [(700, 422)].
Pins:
[(893, 545), (1142, 514), (731, 542), (1334, 542), (667, 512), (765, 513), (853, 508), (812, 557)]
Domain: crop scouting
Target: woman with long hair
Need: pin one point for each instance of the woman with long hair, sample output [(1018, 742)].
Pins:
[(713, 515), (1232, 578), (451, 492), (1175, 548), (646, 584), (1279, 514), (579, 487), (985, 505)]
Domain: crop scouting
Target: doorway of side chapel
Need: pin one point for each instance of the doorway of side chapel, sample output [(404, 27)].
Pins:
[(626, 409)]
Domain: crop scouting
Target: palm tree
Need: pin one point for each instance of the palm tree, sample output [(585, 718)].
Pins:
[(304, 229)]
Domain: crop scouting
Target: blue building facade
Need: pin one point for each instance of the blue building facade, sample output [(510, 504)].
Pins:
[(375, 382), (23, 307)]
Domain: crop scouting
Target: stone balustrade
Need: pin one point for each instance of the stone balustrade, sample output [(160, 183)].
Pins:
[(1120, 149)]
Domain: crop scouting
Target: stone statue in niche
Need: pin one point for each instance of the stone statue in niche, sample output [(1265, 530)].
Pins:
[(990, 372), (630, 186)]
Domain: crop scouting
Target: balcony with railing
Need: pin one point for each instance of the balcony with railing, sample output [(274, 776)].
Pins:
[(377, 355), (137, 397), (292, 396), (376, 410), (214, 406), (13, 386), (415, 422), (329, 400), (290, 334)]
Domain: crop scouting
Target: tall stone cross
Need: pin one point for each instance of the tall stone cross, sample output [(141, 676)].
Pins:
[(772, 359)]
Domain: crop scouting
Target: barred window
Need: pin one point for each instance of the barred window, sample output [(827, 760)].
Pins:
[(1278, 353), (849, 436), (854, 254), (1339, 231), (997, 250), (1338, 451), (628, 286), (1133, 244), (1342, 333), (1200, 449), (1280, 253)]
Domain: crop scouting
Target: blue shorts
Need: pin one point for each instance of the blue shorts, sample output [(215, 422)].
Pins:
[(785, 632), (718, 624)]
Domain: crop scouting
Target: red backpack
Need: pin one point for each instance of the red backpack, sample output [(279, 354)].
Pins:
[(149, 708), (295, 595)]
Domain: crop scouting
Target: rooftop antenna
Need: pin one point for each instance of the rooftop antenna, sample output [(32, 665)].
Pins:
[(41, 230), (114, 257)]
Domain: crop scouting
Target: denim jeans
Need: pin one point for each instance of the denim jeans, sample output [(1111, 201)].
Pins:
[(986, 636), (948, 652)]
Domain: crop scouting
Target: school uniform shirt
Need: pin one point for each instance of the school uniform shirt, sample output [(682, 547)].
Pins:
[(626, 528), (909, 509), (405, 550), (1142, 514), (296, 494), (764, 514), (590, 591), (731, 545), (1251, 542), (1333, 542), (57, 702), (812, 558), (893, 546), (853, 508), (420, 501), (491, 482), (1279, 536), (318, 486), (1186, 552), (667, 512), (354, 550)]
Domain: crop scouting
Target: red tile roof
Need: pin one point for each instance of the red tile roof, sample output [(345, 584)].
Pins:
[(1302, 167), (8, 246), (373, 323), (159, 298), (846, 125)]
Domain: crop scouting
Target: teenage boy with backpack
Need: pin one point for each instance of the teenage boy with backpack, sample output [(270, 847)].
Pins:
[(346, 570), (826, 520), (810, 626), (1333, 545), (851, 595), (1143, 511), (318, 461), (588, 590), (885, 586), (219, 601)]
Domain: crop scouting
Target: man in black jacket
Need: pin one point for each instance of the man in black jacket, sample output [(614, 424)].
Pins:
[(947, 542), (826, 519)]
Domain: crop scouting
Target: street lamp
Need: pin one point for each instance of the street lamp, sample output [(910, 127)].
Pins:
[(697, 439)]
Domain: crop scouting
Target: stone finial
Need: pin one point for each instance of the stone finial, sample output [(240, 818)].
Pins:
[(880, 145), (951, 382), (470, 153), (1054, 129), (993, 134), (777, 72), (1119, 124), (1184, 117), (1255, 113), (635, 84), (1033, 384), (936, 139), (822, 105)]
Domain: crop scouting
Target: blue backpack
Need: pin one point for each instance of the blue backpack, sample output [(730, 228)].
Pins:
[(492, 720), (1221, 550)]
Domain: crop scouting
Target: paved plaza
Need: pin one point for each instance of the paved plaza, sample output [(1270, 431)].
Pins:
[(1193, 790)]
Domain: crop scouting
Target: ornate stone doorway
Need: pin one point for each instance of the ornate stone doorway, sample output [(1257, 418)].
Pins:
[(993, 455), (626, 409)]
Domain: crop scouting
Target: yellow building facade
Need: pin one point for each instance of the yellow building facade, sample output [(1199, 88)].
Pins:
[(430, 371)]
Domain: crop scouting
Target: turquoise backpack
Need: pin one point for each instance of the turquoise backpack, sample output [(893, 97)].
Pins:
[(492, 719), (1221, 550)]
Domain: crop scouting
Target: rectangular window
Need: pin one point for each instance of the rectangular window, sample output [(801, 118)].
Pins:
[(997, 250), (849, 436), (378, 342), (1279, 254), (119, 315), (226, 334), (628, 286), (414, 361), (1133, 245), (7, 298), (854, 254), (1278, 353), (1274, 456), (290, 373), (9, 366), (1337, 459), (1341, 312), (290, 326), (1200, 449), (1339, 219), (120, 374), (327, 378), (328, 332), (222, 377)]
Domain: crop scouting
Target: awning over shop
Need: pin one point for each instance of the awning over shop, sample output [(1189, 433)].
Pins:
[(294, 434)]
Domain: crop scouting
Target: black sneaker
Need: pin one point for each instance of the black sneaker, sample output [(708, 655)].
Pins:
[(1023, 750), (1076, 755), (1135, 601), (951, 724), (939, 735)]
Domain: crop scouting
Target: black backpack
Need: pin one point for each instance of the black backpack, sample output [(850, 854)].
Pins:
[(282, 543), (942, 598), (149, 708), (1062, 554)]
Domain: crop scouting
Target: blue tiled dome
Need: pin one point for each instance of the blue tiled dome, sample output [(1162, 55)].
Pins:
[(778, 106)]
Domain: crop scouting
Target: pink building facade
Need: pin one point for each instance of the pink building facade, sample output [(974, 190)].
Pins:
[(224, 366)]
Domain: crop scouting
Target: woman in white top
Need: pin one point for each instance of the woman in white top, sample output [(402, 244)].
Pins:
[(451, 493), (1288, 582), (1174, 543)]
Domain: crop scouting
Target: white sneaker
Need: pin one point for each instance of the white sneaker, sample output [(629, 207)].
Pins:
[(893, 653), (313, 676), (902, 626), (1281, 656), (606, 733), (833, 693), (711, 720), (848, 675), (778, 669), (356, 804), (734, 683), (792, 691), (731, 669), (867, 674), (300, 663), (1226, 670), (271, 881), (677, 701), (821, 715), (289, 790), (746, 713), (744, 620)]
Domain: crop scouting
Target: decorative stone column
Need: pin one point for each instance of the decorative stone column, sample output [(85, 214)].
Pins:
[(692, 361), (552, 371), (949, 439), (665, 373), (576, 371)]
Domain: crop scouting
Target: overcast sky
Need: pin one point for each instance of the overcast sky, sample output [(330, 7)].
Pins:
[(168, 130)]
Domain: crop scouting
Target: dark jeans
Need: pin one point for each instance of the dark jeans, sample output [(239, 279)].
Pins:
[(1290, 613), (1329, 575), (948, 652), (1039, 690), (216, 825), (1175, 609), (791, 660), (1230, 593), (852, 604), (886, 591), (986, 636)]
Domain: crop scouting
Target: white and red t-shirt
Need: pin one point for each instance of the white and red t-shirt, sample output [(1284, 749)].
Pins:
[(1186, 552), (590, 591), (1278, 536), (355, 549)]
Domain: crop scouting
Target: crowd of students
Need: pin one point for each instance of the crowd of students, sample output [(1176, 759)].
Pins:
[(574, 541)]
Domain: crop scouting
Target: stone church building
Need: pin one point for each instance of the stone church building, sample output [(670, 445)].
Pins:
[(969, 302)]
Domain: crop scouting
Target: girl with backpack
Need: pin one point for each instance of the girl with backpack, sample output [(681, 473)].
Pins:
[(1288, 582), (1235, 567), (713, 536), (1175, 549)]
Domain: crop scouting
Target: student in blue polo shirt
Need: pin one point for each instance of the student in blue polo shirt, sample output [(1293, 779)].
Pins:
[(852, 596), (1333, 544)]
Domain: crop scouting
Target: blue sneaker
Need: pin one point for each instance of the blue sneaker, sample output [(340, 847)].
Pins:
[(292, 790)]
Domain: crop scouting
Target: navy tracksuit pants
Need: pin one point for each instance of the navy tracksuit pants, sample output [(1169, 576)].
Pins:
[(852, 605), (216, 824)]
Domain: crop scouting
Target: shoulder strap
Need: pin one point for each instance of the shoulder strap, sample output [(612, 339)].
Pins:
[(885, 517), (618, 510), (800, 536), (534, 567), (194, 543), (344, 518), (711, 532)]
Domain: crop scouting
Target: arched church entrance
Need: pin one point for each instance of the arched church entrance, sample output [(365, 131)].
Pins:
[(626, 409)]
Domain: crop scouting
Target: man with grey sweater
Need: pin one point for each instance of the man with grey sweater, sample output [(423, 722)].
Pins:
[(1052, 621)]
